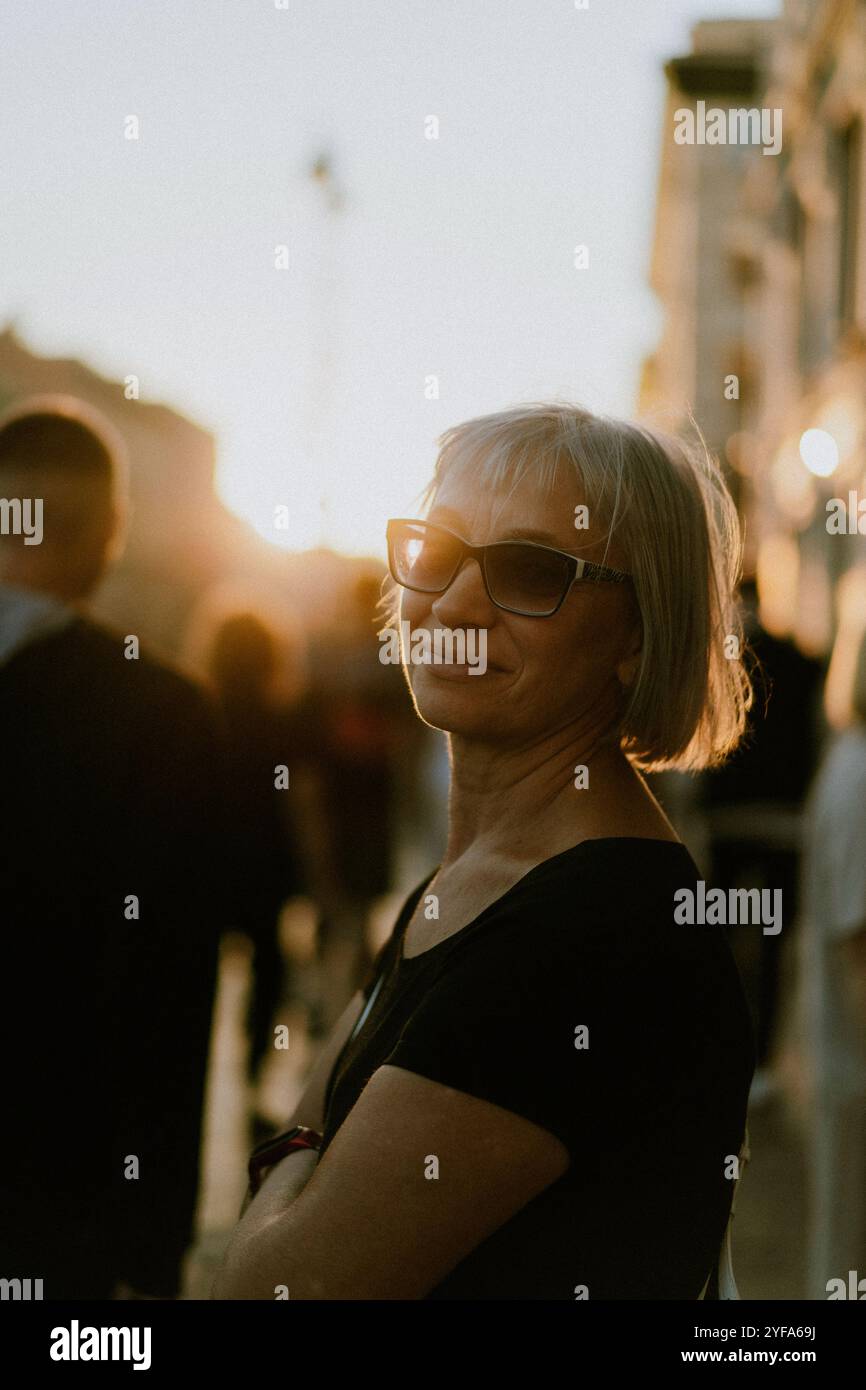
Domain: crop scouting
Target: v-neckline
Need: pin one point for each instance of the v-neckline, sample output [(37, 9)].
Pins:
[(544, 864)]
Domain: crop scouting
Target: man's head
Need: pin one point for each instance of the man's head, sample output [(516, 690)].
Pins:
[(65, 463)]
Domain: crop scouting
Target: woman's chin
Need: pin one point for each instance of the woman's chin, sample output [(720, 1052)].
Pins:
[(458, 705)]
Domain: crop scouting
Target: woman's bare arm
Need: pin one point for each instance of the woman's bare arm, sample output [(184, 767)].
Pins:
[(363, 1221), (282, 1184), (310, 1109)]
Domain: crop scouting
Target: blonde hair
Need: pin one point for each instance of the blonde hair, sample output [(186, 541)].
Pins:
[(669, 507)]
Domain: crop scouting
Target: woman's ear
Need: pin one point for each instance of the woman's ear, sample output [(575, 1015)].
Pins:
[(627, 670)]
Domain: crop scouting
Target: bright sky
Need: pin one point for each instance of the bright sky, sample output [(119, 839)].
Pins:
[(451, 258)]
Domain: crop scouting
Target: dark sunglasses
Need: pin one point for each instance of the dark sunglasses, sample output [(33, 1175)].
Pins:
[(519, 576)]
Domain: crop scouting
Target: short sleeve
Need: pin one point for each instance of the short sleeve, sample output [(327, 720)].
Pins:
[(526, 1019)]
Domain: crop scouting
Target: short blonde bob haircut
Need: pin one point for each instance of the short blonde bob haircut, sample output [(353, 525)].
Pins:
[(667, 503)]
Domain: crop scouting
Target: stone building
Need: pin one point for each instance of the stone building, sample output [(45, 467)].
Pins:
[(759, 262)]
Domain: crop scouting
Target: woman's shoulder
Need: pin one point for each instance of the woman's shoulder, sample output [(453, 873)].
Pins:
[(614, 875), (602, 899), (599, 905), (595, 932)]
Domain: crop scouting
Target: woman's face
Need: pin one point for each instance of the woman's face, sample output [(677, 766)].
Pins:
[(543, 674)]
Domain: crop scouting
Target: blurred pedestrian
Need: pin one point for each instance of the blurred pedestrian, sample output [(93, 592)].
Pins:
[(265, 860), (753, 809), (358, 728), (110, 875), (833, 998)]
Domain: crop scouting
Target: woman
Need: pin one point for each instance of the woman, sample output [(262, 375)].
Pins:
[(547, 1093)]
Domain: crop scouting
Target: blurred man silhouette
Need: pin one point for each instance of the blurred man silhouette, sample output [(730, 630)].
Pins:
[(109, 874), (264, 854), (360, 723)]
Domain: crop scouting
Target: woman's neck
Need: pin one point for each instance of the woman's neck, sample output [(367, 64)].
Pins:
[(525, 804)]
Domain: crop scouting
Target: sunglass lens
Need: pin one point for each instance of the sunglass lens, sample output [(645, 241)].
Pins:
[(526, 578), (424, 559)]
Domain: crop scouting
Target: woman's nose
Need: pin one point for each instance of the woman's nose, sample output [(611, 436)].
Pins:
[(465, 601)]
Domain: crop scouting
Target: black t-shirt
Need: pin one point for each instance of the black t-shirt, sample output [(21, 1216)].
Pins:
[(650, 1100)]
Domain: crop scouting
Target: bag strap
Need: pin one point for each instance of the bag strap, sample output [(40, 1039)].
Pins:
[(724, 1270)]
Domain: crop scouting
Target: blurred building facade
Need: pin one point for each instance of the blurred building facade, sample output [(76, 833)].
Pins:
[(808, 289), (760, 265), (695, 276)]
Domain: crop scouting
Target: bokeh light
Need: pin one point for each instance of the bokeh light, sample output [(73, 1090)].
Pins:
[(820, 452)]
